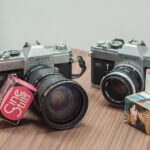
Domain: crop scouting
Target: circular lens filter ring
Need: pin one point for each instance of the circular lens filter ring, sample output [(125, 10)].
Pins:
[(110, 97), (77, 118)]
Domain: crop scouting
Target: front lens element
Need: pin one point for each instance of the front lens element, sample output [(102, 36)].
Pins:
[(63, 104)]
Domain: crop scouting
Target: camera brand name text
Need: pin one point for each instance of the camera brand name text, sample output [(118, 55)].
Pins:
[(39, 59)]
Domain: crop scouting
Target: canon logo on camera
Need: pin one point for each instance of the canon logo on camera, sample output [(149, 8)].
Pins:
[(39, 59), (16, 102)]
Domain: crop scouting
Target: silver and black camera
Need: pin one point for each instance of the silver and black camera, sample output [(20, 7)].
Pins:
[(19, 61), (119, 68), (61, 101)]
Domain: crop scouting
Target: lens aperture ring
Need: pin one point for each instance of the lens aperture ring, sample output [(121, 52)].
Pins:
[(33, 69)]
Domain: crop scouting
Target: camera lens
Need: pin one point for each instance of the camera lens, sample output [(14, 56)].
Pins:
[(61, 102), (122, 81)]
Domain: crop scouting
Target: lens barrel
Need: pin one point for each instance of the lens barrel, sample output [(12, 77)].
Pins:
[(61, 102), (122, 81)]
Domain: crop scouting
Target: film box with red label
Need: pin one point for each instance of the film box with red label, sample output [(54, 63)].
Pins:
[(16, 97), (137, 108)]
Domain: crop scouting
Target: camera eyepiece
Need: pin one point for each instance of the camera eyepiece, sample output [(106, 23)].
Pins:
[(61, 102), (123, 80)]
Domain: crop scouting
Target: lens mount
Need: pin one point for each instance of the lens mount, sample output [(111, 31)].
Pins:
[(123, 80)]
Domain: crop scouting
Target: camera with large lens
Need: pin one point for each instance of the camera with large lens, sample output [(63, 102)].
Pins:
[(19, 61), (61, 101), (119, 68)]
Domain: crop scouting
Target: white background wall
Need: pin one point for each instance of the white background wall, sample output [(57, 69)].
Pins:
[(79, 23)]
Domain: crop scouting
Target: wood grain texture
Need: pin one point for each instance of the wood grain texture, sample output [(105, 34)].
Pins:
[(103, 127)]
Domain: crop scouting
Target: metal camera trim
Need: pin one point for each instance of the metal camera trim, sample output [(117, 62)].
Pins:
[(139, 72), (118, 103), (122, 75)]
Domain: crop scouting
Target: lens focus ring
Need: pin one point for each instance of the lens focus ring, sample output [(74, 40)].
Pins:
[(123, 80)]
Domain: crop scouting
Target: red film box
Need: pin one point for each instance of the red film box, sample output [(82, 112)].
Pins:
[(16, 97)]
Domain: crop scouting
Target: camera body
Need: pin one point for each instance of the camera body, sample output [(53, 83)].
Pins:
[(19, 61), (124, 62)]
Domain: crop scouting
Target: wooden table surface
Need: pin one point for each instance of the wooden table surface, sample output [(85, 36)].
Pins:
[(102, 128)]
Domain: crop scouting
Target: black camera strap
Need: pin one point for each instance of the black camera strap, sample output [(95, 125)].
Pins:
[(82, 65)]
